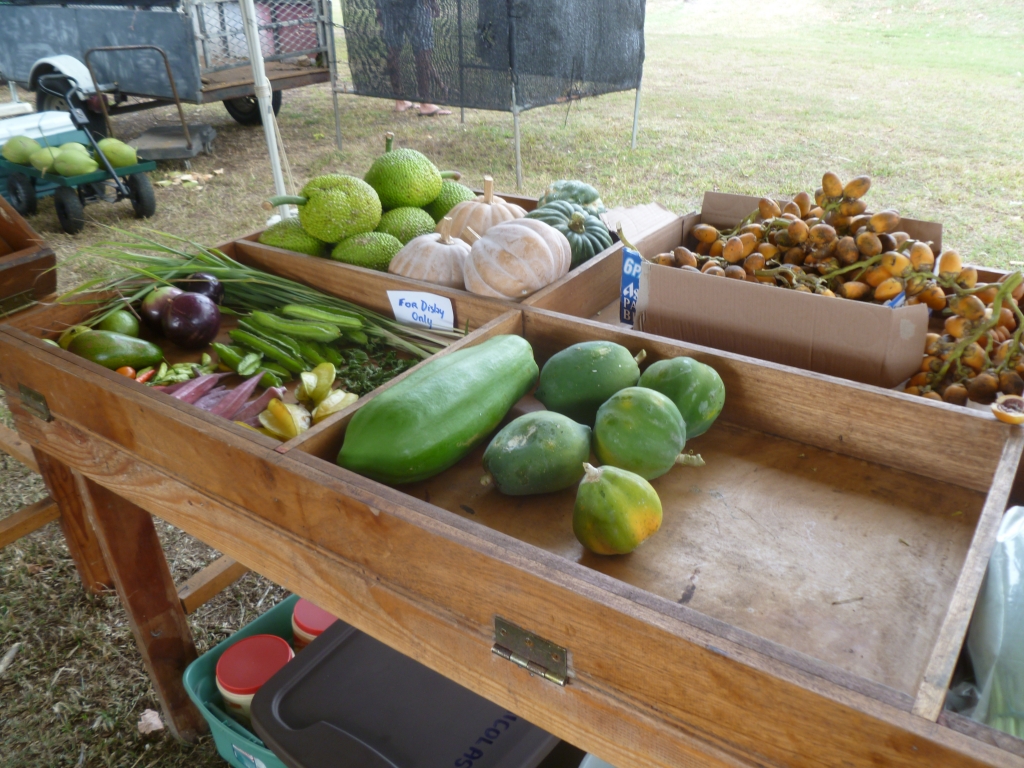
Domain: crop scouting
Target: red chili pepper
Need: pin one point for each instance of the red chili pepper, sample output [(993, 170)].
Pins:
[(146, 376), (126, 370)]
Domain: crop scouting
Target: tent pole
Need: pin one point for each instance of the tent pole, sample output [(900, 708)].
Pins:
[(263, 94), (636, 115), (333, 54)]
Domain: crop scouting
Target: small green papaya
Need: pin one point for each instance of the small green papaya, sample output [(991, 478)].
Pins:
[(115, 350), (577, 380), (640, 430), (695, 388), (540, 452), (615, 511)]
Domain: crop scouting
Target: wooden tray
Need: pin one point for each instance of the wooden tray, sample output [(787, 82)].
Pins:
[(27, 265), (803, 605)]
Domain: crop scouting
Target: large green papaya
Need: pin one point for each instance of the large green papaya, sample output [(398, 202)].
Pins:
[(434, 417), (640, 430), (540, 452), (695, 388), (577, 381), (615, 511)]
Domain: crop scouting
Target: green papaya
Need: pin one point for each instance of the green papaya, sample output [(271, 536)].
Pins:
[(540, 452), (576, 381), (439, 413), (640, 430), (695, 388), (616, 510), (115, 350)]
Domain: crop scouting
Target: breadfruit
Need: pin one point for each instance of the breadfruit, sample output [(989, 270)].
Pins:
[(18, 149), (72, 163), (403, 177), (289, 234), (406, 223), (452, 193), (118, 153), (333, 207), (373, 250), (43, 159)]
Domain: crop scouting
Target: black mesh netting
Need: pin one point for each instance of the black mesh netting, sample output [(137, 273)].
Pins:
[(469, 53)]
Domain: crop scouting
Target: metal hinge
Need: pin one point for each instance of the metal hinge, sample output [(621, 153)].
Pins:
[(34, 403), (531, 652)]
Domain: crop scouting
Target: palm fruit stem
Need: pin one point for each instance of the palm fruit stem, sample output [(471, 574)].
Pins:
[(287, 200)]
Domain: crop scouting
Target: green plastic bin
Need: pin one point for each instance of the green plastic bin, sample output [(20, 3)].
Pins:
[(236, 743)]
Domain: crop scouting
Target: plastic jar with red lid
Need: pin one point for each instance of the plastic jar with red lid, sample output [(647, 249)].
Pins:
[(308, 622), (246, 666)]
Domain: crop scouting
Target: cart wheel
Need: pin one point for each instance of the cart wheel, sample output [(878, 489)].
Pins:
[(22, 192), (140, 192), (70, 211), (246, 110)]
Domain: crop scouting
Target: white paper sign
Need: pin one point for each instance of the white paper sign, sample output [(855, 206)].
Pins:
[(426, 309)]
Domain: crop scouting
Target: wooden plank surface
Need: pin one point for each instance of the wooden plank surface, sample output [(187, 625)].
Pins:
[(209, 582), (932, 692), (735, 711), (12, 444), (132, 548), (25, 521), (65, 488)]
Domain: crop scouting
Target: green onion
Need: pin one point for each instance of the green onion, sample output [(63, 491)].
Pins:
[(143, 263)]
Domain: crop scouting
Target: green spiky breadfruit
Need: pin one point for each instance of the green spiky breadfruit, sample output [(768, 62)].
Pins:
[(75, 146), (18, 149), (337, 207), (403, 177), (289, 234), (73, 163), (406, 223), (42, 160), (452, 193), (118, 153), (373, 250)]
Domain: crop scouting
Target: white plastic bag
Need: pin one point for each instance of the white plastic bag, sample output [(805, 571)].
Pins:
[(995, 640)]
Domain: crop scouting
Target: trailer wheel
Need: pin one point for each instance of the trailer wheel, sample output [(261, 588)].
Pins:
[(246, 110), (70, 211), (47, 102), (22, 192), (140, 192)]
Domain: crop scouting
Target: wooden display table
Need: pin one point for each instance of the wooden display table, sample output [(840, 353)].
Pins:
[(803, 605)]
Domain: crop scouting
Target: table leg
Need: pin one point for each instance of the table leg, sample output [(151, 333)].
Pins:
[(136, 560), (63, 484)]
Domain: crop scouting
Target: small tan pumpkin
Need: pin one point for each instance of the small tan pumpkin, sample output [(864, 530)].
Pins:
[(434, 258), (515, 259), (483, 213)]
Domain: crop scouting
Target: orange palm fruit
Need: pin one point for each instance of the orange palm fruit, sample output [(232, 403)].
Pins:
[(932, 395), (950, 264), (955, 394), (803, 202), (717, 248), (983, 388), (749, 243), (852, 208), (876, 276), (768, 209), (798, 232), (912, 391), (888, 289), (974, 356), (915, 284), (919, 379), (847, 251), (857, 188), (826, 292), (733, 251), (822, 234), (868, 244), (884, 221), (1007, 319), (921, 256), (1018, 292), (956, 326), (854, 290), (705, 233), (900, 238), (664, 259), (931, 343), (934, 297), (768, 250), (819, 196), (931, 364), (794, 255), (703, 249), (987, 294), (713, 269), (831, 185), (817, 212), (968, 277), (792, 209), (895, 262), (736, 272), (1011, 383), (753, 263), (684, 257)]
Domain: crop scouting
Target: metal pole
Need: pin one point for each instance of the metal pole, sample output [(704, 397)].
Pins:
[(636, 114), (263, 95), (462, 64), (515, 131), (332, 52)]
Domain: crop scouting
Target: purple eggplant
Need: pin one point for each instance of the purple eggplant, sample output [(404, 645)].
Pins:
[(250, 414), (204, 283), (191, 320), (152, 309), (234, 402)]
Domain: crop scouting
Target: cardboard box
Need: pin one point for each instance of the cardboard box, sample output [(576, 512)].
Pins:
[(865, 342)]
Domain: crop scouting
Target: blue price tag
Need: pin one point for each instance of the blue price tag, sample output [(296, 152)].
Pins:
[(631, 262)]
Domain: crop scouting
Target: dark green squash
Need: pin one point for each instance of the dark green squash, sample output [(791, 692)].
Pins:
[(586, 233), (574, 191)]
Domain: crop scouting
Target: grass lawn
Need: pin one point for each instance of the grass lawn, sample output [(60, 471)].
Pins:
[(925, 96)]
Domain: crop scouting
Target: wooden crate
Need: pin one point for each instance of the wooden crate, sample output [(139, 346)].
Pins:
[(803, 605), (27, 265)]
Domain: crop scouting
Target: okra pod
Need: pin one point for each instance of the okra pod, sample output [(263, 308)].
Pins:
[(268, 348), (339, 317), (297, 329)]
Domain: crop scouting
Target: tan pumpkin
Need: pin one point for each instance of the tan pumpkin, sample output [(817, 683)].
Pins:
[(515, 259), (434, 258), (483, 213)]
